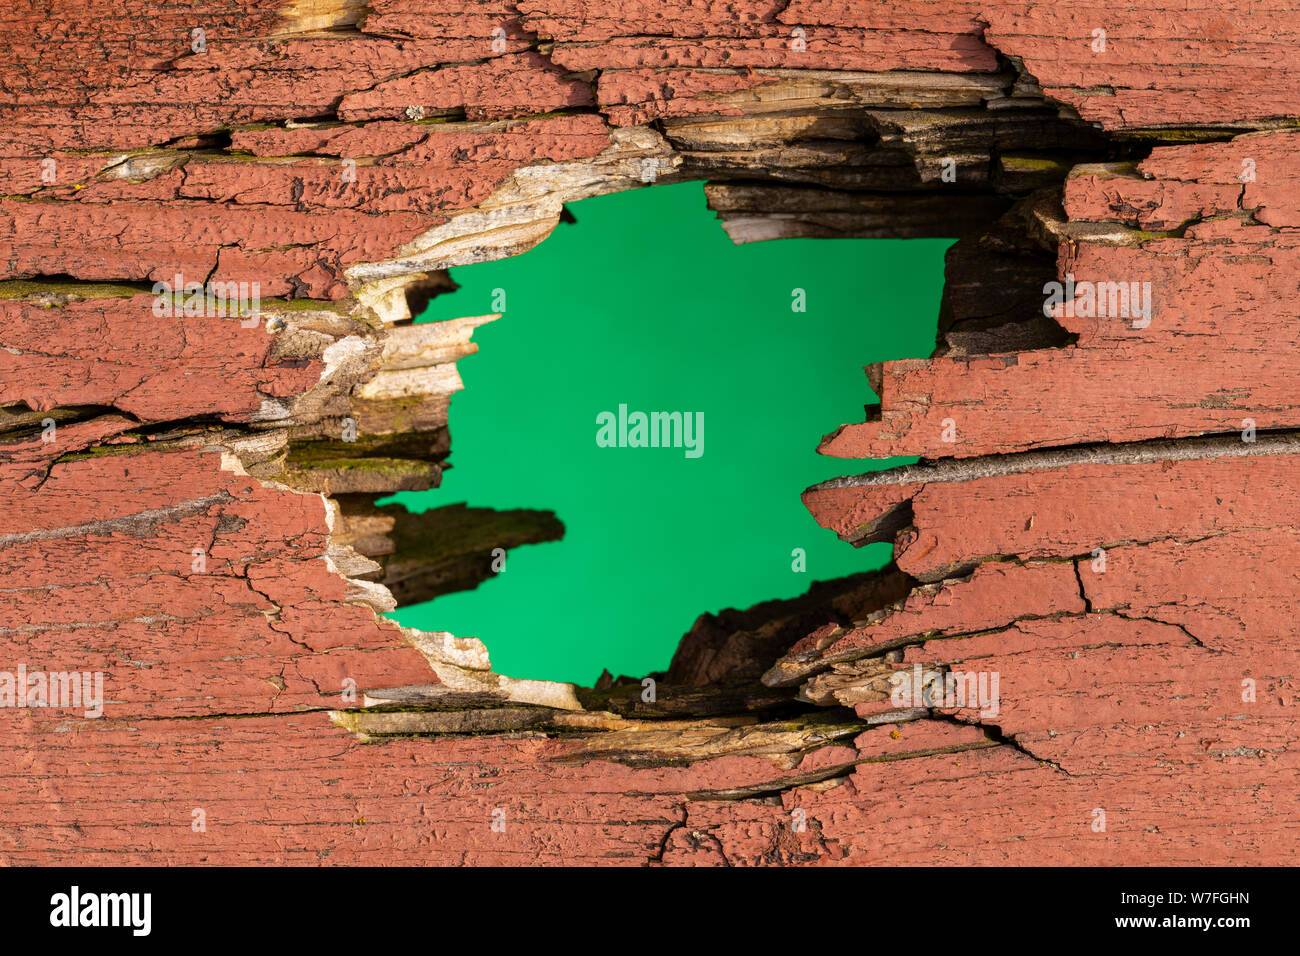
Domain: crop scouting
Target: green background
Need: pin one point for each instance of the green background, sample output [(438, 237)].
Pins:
[(646, 301)]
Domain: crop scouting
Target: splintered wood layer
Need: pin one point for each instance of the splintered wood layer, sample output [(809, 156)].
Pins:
[(1117, 615), (1176, 333)]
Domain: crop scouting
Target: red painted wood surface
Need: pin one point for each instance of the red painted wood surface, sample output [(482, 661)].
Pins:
[(1161, 690)]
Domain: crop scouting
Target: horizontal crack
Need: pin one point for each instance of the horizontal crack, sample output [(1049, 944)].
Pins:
[(139, 523), (1192, 448)]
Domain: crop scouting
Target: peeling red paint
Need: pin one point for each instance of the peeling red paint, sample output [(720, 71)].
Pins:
[(1135, 600)]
